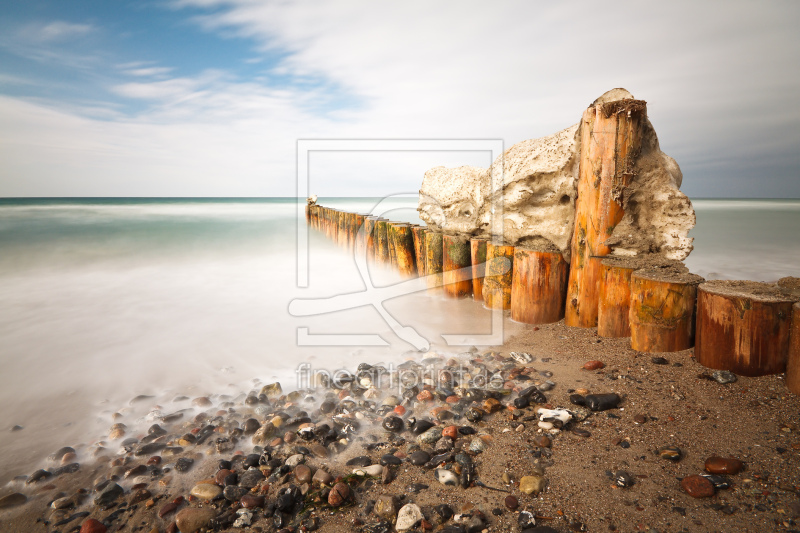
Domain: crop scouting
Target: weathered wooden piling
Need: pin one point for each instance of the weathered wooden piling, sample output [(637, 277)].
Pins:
[(433, 258), (499, 275), (418, 233), (539, 286), (743, 326), (392, 250), (613, 311), (403, 245), (662, 313), (611, 134), (793, 361), (456, 261), (478, 256), (369, 236), (382, 236)]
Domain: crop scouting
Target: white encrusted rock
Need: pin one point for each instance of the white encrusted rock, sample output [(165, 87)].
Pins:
[(409, 515)]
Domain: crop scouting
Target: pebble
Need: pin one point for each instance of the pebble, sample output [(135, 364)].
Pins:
[(419, 458), (12, 500), (386, 507), (532, 484), (430, 436), (206, 491), (251, 501), (338, 495), (372, 470), (477, 445), (295, 460), (244, 518), (450, 431), (623, 479), (542, 441), (91, 525), (521, 357), (593, 365), (511, 502), (446, 477), (302, 474), (232, 493), (251, 478), (697, 486), (408, 516), (109, 494), (724, 377), (671, 453), (193, 519), (723, 465), (321, 477)]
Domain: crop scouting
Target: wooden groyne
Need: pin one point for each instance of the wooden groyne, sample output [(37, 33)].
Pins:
[(745, 327)]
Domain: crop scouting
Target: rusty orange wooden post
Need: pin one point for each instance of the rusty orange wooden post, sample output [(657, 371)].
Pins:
[(382, 236), (743, 327), (478, 257), (538, 287), (419, 248), (456, 261), (793, 362), (433, 259), (369, 236), (613, 313), (662, 310), (403, 244), (611, 138), (499, 275)]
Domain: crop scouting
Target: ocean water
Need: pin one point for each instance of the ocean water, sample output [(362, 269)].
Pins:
[(102, 300)]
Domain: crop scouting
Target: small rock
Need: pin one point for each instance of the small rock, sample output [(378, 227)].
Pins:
[(93, 526), (108, 495), (659, 361), (302, 474), (251, 501), (521, 357), (419, 458), (251, 478), (408, 516), (386, 507), (430, 436), (511, 502), (339, 494), (244, 518), (532, 484), (184, 464), (233, 493), (12, 500), (697, 486), (623, 479), (295, 460), (371, 470), (193, 519), (723, 465), (593, 365), (542, 441), (321, 477), (671, 453), (477, 445), (206, 491), (723, 377), (446, 477), (640, 419), (273, 390)]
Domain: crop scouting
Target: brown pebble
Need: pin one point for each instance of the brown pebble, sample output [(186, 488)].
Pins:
[(302, 473), (167, 509), (723, 465), (289, 437), (640, 419), (593, 365), (91, 525), (492, 405), (542, 441), (450, 431), (338, 495), (511, 502), (155, 460), (425, 396), (219, 478), (251, 501), (697, 486)]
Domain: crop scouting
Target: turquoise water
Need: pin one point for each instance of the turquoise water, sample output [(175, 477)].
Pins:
[(106, 299)]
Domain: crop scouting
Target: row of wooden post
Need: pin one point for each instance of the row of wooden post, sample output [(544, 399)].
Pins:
[(660, 312)]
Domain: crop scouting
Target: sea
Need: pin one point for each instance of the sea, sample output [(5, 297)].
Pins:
[(103, 300)]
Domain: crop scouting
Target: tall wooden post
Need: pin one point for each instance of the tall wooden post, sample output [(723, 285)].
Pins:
[(793, 362), (369, 236), (433, 259), (382, 236), (743, 326), (499, 275), (662, 312), (478, 256), (539, 285), (403, 245), (455, 258), (610, 142), (419, 248), (342, 233)]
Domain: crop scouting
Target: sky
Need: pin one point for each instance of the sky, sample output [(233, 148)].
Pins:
[(210, 97)]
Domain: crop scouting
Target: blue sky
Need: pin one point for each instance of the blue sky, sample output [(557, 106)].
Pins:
[(208, 97)]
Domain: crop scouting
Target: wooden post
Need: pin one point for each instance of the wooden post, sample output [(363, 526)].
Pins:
[(361, 237), (403, 244), (382, 236), (392, 249), (611, 137), (793, 362), (455, 257), (433, 258), (342, 232), (743, 326), (539, 286), (499, 274), (662, 309), (613, 311), (419, 248), (369, 231), (478, 256)]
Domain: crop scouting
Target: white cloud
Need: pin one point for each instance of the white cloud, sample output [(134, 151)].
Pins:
[(148, 71), (60, 30)]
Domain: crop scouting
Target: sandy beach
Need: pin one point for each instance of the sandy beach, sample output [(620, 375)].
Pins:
[(601, 471)]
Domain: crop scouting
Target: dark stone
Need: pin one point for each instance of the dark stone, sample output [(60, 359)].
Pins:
[(109, 494), (421, 426), (233, 493), (149, 448), (361, 460), (444, 511), (39, 475), (251, 478), (416, 488), (419, 458), (392, 423), (183, 464), (389, 459), (623, 479), (602, 402)]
